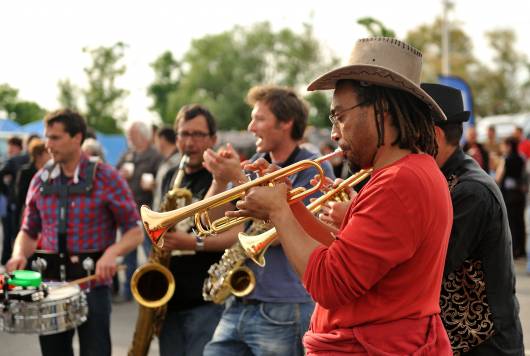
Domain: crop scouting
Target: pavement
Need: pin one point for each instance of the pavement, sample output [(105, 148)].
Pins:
[(123, 320)]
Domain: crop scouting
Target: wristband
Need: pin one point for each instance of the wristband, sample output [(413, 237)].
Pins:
[(199, 243)]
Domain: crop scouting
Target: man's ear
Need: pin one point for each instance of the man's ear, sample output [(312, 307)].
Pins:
[(440, 135)]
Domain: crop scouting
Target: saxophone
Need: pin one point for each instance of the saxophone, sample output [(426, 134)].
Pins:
[(229, 275), (152, 284)]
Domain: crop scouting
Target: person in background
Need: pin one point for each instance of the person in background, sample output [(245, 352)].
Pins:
[(138, 166), (93, 148), (511, 178), (523, 145), (8, 173), (166, 144), (479, 308), (475, 149), (493, 147), (38, 156)]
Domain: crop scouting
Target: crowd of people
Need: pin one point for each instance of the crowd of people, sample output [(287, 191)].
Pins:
[(427, 241)]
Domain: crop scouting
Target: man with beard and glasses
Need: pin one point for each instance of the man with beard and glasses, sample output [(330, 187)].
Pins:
[(376, 282)]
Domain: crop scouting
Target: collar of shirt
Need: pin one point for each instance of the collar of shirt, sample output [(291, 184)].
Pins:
[(79, 173), (452, 163)]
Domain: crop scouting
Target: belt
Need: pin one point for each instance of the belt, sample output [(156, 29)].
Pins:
[(74, 266), (248, 301)]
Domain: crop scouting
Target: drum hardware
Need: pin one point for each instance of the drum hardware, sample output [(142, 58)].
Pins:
[(39, 265), (88, 266)]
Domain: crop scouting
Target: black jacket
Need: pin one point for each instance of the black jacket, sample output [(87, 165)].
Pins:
[(481, 236)]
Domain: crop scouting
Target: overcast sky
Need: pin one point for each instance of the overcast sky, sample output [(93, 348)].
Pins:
[(41, 41)]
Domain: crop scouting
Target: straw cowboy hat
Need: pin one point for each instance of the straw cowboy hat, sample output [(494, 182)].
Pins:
[(385, 62)]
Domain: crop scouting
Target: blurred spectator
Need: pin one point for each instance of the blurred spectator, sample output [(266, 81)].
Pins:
[(494, 149), (511, 179), (523, 142), (8, 173), (166, 144), (138, 166), (38, 156), (93, 148), (475, 149)]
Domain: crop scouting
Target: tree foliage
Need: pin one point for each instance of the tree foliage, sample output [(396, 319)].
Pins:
[(21, 111), (497, 88), (103, 97), (218, 70), (68, 95), (375, 27)]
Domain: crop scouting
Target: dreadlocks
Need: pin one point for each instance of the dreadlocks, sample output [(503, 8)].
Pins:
[(409, 115)]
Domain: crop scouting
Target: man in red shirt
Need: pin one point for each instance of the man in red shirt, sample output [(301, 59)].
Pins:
[(377, 280)]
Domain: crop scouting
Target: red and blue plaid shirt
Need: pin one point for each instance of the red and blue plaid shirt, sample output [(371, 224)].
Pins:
[(92, 218)]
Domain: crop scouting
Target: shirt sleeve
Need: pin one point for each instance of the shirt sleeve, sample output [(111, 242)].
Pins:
[(120, 200), (474, 210), (378, 236), (31, 219)]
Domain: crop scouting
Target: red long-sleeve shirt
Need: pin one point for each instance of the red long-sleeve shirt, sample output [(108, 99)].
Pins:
[(387, 262)]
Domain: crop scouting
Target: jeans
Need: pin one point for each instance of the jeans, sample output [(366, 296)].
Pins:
[(94, 334), (260, 329), (186, 332)]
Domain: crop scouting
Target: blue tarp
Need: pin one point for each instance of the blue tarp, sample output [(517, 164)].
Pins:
[(8, 125)]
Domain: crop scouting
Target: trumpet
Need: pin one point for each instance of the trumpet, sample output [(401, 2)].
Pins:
[(157, 224), (255, 246)]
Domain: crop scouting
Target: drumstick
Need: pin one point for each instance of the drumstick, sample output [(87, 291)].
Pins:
[(86, 279)]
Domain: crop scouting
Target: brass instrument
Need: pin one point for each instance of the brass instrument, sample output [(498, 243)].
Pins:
[(153, 284), (255, 246), (157, 224), (229, 275)]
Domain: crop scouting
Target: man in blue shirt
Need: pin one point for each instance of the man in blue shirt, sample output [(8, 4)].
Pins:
[(272, 319)]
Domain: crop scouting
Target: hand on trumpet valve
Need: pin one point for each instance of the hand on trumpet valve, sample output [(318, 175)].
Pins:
[(262, 167), (262, 201), (333, 213)]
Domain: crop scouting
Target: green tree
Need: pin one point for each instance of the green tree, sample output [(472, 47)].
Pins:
[(103, 97), (167, 75), (502, 89), (68, 95), (428, 39), (499, 88), (219, 69), (21, 111), (375, 27)]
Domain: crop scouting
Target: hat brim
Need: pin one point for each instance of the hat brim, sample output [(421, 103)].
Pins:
[(379, 76), (460, 117)]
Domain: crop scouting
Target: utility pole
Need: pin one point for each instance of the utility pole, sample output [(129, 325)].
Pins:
[(446, 69)]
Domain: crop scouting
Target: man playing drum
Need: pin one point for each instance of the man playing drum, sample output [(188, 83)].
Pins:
[(377, 282), (75, 205)]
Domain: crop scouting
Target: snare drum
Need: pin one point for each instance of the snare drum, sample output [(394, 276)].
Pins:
[(63, 309)]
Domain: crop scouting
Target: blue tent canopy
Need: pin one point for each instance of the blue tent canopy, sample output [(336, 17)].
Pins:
[(8, 125), (113, 145)]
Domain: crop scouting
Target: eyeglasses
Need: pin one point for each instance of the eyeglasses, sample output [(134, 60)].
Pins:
[(192, 134), (334, 116)]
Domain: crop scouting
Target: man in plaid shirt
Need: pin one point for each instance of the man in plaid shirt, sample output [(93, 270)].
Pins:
[(82, 220)]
